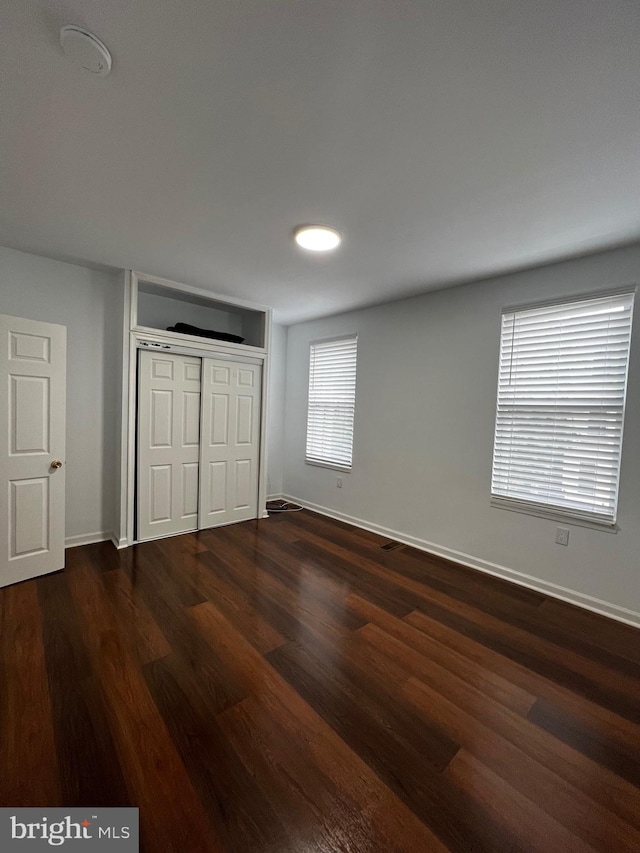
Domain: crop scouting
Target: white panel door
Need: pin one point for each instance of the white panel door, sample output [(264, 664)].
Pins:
[(230, 442), (168, 444), (33, 365)]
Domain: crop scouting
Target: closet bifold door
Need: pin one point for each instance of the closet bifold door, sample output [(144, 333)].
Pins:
[(168, 444), (230, 445)]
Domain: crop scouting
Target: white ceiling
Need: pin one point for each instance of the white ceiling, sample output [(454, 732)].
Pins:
[(447, 139)]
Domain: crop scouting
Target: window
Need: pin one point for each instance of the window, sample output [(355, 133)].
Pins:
[(561, 396), (332, 397)]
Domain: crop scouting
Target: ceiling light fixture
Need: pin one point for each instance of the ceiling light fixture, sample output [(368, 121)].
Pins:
[(85, 50), (317, 238)]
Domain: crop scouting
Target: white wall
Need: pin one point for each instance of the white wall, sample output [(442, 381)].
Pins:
[(89, 304), (275, 410), (425, 410)]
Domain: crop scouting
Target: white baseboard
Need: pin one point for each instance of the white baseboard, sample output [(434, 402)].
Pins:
[(119, 543), (587, 602), (86, 539)]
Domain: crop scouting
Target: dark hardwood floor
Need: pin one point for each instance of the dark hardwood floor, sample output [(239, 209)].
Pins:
[(288, 685)]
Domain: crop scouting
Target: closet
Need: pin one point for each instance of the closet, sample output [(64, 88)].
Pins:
[(194, 410), (198, 443)]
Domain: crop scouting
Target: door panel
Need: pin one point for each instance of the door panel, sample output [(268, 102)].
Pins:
[(160, 493), (168, 444), (244, 420), (243, 484), (191, 416), (230, 448), (161, 368), (217, 503), (219, 419), (28, 517), (29, 347), (190, 489), (29, 414), (161, 419), (32, 436), (192, 372), (245, 378)]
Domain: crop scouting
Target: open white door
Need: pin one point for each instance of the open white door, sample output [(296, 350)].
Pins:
[(230, 448), (32, 446), (168, 444)]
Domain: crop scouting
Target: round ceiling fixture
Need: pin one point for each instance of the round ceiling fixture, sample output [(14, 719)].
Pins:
[(317, 238), (85, 50)]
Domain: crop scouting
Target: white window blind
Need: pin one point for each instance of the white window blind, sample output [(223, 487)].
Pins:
[(561, 396), (332, 397)]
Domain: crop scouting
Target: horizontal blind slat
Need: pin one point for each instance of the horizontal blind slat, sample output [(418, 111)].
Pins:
[(331, 405), (561, 393)]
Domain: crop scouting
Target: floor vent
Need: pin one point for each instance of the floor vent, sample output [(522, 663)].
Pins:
[(391, 546)]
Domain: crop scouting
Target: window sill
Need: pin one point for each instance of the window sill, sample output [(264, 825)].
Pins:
[(331, 465), (552, 514)]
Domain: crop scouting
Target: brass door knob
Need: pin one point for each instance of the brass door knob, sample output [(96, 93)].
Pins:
[(56, 463)]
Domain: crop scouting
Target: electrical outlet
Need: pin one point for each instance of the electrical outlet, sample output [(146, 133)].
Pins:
[(339, 482), (562, 535)]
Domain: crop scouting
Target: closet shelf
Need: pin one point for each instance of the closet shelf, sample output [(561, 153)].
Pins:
[(157, 305)]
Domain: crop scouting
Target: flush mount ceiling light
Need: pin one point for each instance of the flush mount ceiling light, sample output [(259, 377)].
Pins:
[(317, 238), (85, 50)]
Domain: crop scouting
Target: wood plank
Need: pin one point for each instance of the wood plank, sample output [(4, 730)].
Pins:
[(395, 824), (295, 615), (90, 774), (535, 830), (363, 578), (133, 617), (274, 748), (417, 571), (415, 646), (171, 815), (390, 756), (341, 691), (617, 730), (29, 766), (568, 805), (518, 605), (152, 568), (243, 817), (165, 604), (615, 637), (610, 689), (285, 684), (590, 739), (235, 603), (568, 764)]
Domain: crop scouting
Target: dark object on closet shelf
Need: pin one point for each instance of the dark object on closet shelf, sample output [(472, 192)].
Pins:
[(186, 329)]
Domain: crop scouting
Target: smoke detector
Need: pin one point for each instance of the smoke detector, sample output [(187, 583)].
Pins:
[(85, 50)]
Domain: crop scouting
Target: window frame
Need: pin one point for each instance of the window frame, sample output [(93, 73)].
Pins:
[(552, 511), (333, 466)]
